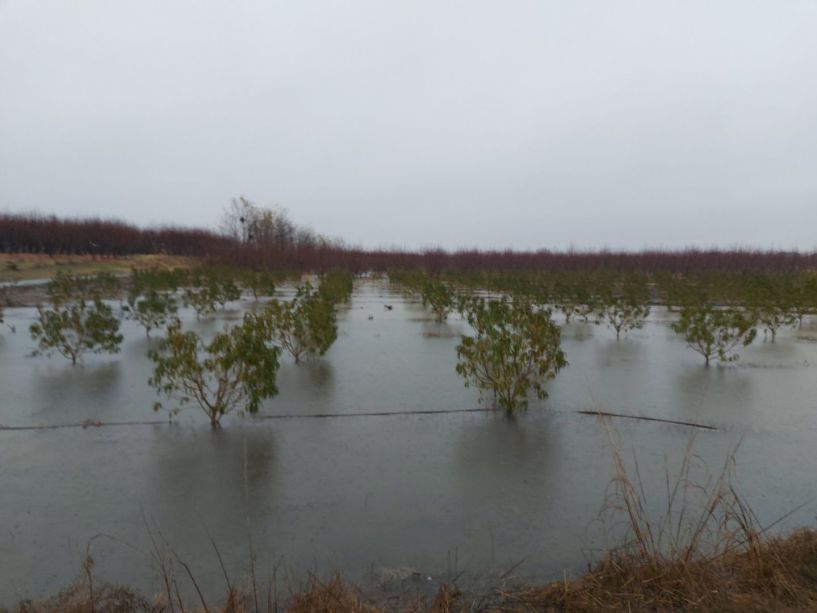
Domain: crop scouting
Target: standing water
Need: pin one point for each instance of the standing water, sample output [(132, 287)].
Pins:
[(374, 459)]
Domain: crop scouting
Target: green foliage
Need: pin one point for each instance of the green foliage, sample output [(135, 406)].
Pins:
[(305, 326), (236, 370), (76, 328), (514, 349), (435, 294), (576, 300), (773, 303), (258, 283), (78, 321), (803, 296), (439, 297), (625, 310), (66, 288), (210, 289), (152, 309), (715, 332), (158, 279), (336, 286)]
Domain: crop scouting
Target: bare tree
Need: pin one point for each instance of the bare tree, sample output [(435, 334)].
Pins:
[(247, 222)]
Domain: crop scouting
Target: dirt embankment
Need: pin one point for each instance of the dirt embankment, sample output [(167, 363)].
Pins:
[(19, 272), (779, 574)]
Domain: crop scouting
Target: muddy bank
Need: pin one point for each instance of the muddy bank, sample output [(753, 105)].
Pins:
[(773, 575)]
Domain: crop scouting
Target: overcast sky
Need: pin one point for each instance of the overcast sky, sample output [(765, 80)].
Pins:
[(421, 123)]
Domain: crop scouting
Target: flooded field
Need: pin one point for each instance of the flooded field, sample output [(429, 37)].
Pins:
[(372, 460)]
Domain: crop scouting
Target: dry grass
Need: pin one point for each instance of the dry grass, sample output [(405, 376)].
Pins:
[(779, 574), (23, 266)]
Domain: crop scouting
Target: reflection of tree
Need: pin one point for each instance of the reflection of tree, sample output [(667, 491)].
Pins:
[(434, 329), (307, 380), (500, 445), (509, 478), (91, 387), (195, 488), (201, 473), (713, 395), (577, 330), (612, 352)]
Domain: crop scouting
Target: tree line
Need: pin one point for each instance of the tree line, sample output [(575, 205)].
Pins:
[(266, 238), (50, 235)]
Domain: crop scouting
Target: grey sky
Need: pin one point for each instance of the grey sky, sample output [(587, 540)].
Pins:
[(420, 123)]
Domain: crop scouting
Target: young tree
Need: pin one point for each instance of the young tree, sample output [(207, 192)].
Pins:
[(804, 297), (258, 283), (236, 370), (210, 290), (439, 297), (66, 288), (514, 349), (715, 332), (564, 299), (624, 312), (76, 328), (152, 309), (159, 279), (773, 317), (307, 325), (336, 286), (773, 303)]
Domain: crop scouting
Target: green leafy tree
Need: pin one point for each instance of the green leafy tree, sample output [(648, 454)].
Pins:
[(258, 283), (210, 291), (715, 332), (578, 298), (159, 279), (305, 326), (624, 312), (515, 349), (151, 310), (773, 317), (439, 297), (336, 286), (773, 303), (235, 371), (804, 297), (76, 328), (66, 288)]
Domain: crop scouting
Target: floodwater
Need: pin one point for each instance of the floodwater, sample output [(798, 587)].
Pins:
[(313, 485)]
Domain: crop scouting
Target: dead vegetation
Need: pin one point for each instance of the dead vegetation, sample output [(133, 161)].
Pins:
[(26, 266), (778, 574)]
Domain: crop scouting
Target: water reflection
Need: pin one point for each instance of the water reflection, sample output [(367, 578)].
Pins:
[(768, 354), (435, 329), (302, 385), (501, 461), (396, 490), (141, 345), (719, 394), (624, 350), (578, 330), (212, 472), (502, 440), (89, 386), (320, 374)]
